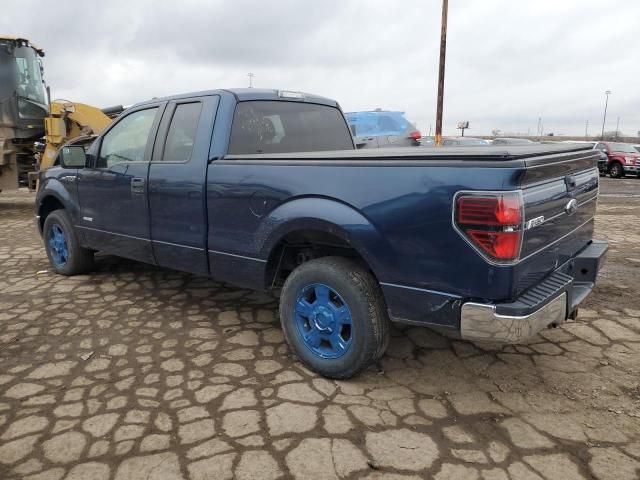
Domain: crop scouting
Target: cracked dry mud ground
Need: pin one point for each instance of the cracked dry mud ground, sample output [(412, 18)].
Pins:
[(136, 372)]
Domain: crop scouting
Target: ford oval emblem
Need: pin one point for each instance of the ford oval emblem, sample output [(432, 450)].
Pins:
[(571, 207)]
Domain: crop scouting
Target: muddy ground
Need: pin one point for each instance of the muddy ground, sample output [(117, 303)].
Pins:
[(137, 372)]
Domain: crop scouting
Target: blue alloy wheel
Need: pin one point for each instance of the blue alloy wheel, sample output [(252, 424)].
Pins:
[(324, 321), (58, 245)]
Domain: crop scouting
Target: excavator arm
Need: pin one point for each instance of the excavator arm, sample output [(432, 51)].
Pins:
[(69, 120)]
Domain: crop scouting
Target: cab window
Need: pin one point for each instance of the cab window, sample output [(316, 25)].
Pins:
[(127, 141), (182, 132), (283, 126)]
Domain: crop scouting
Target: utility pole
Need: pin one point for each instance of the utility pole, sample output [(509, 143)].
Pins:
[(443, 51), (586, 130), (617, 127), (250, 75), (604, 118), (539, 131)]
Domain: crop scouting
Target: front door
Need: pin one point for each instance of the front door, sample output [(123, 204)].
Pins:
[(113, 189), (177, 180)]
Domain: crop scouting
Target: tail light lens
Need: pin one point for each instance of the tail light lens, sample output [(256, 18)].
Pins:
[(415, 135), (492, 223)]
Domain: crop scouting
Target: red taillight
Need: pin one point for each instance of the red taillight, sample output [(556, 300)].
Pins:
[(492, 223), (415, 135), (498, 210), (501, 245)]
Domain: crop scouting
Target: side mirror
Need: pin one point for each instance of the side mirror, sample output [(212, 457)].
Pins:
[(73, 156)]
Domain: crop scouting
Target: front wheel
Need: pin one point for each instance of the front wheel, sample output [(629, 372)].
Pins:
[(333, 316), (615, 170), (65, 254)]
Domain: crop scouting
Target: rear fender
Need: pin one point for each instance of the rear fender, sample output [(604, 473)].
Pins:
[(326, 215)]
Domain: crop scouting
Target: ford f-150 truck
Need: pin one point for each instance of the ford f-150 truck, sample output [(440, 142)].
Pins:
[(622, 159), (489, 244)]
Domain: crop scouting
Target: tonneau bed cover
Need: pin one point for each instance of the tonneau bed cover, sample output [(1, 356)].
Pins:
[(498, 152)]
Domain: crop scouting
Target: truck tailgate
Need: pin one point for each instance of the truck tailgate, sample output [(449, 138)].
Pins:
[(560, 196)]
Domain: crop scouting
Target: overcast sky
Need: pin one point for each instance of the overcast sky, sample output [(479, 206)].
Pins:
[(508, 61)]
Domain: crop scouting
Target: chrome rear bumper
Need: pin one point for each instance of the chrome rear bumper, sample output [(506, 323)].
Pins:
[(480, 322)]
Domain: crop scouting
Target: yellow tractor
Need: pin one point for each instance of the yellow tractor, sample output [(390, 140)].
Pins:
[(32, 127)]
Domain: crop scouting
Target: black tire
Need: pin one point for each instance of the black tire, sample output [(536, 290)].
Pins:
[(360, 292), (77, 260), (616, 170)]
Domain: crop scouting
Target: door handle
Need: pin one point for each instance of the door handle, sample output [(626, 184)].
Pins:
[(137, 185)]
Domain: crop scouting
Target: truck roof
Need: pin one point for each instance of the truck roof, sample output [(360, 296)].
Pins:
[(245, 94)]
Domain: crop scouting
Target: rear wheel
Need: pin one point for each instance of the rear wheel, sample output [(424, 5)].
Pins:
[(65, 254), (616, 170), (333, 316)]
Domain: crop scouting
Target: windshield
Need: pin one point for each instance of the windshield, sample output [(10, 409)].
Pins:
[(29, 77), (622, 147)]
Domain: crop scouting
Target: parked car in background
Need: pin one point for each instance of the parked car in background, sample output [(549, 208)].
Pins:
[(511, 141), (382, 128), (464, 141), (622, 159)]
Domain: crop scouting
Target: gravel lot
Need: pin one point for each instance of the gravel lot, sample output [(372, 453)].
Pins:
[(136, 372)]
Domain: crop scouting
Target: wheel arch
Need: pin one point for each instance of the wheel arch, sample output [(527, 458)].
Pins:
[(316, 227), (616, 161), (47, 204)]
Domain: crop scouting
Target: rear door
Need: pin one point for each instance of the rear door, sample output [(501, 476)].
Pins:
[(177, 180), (389, 131), (112, 190), (362, 126), (365, 141)]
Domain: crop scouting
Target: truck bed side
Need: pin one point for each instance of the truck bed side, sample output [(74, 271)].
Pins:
[(395, 210)]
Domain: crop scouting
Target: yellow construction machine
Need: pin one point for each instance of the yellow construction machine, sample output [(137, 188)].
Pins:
[(67, 121), (32, 127)]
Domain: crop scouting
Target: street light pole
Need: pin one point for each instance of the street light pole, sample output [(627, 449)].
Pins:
[(443, 51), (604, 119), (250, 75)]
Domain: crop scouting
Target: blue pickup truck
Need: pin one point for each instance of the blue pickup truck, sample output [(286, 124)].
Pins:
[(488, 244)]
